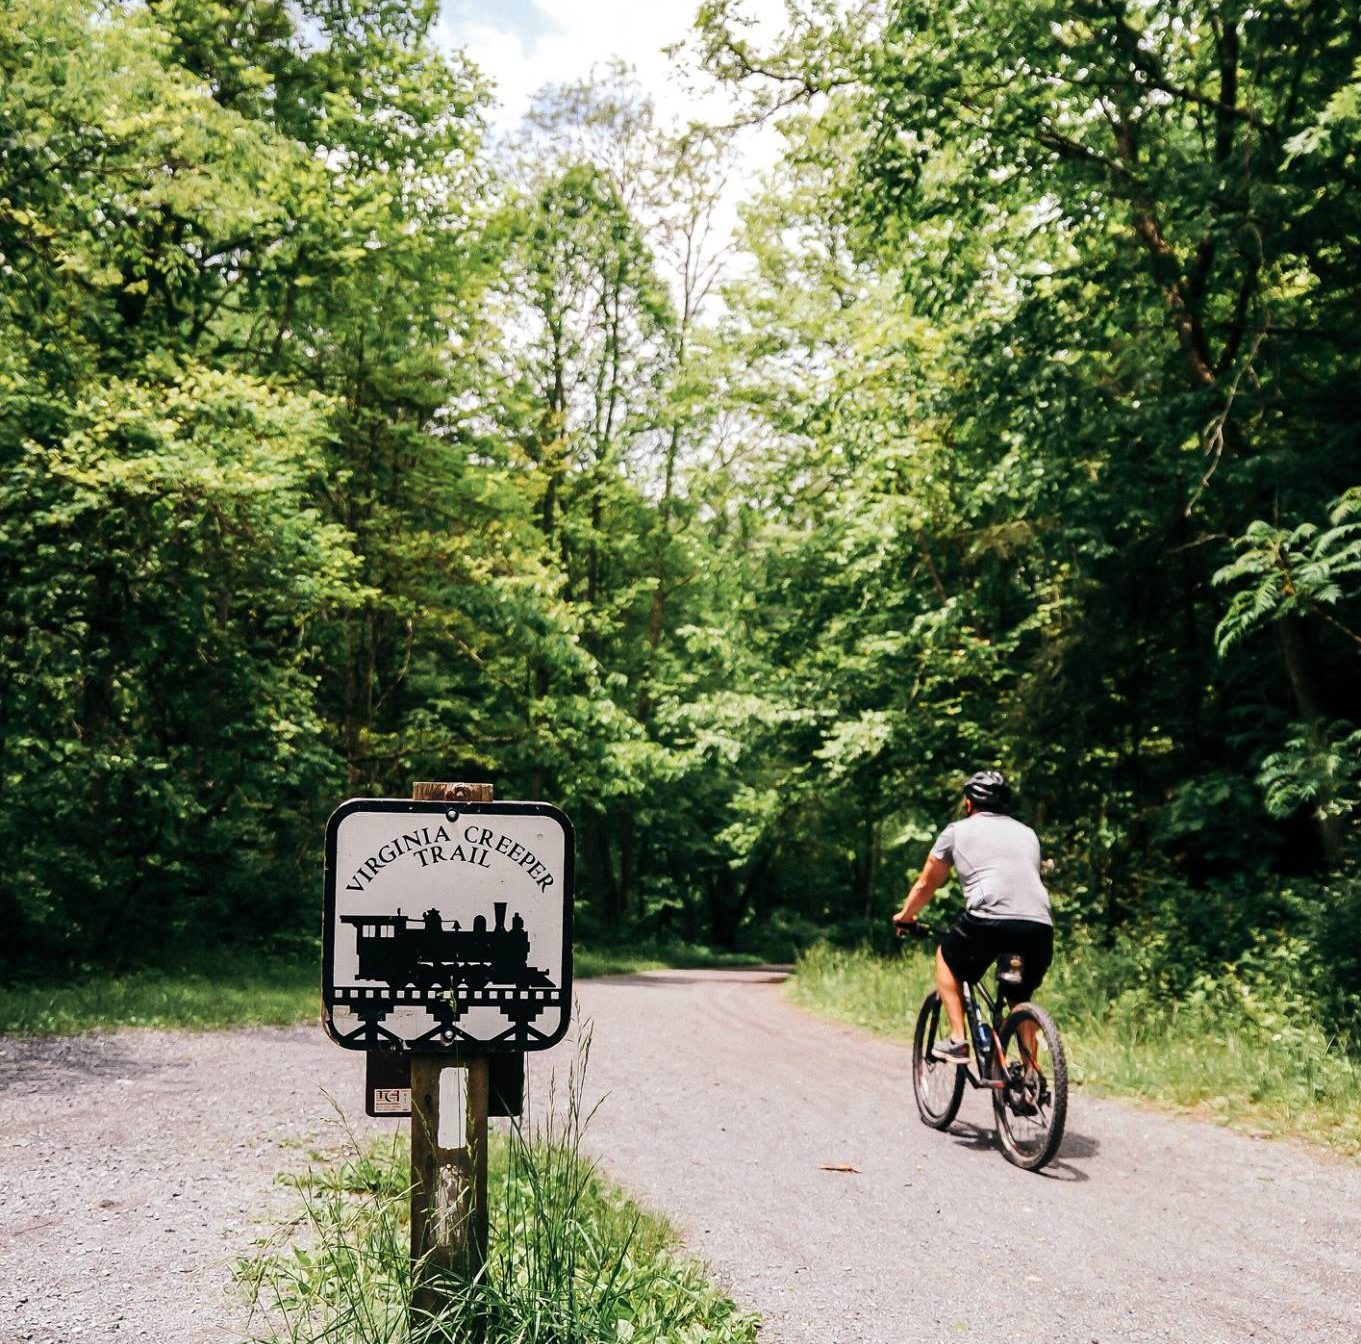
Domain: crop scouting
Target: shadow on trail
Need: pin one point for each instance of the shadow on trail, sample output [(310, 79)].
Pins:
[(37, 1064), (1075, 1147)]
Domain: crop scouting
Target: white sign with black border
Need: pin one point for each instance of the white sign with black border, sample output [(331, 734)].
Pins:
[(448, 926)]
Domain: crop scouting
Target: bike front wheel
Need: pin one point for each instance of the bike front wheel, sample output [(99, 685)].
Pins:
[(938, 1086), (1031, 1108)]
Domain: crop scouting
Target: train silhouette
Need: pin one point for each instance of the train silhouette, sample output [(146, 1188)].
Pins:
[(425, 954)]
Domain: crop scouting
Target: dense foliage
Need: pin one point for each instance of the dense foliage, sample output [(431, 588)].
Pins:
[(341, 445)]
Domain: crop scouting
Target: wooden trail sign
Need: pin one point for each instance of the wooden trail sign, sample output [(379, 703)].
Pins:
[(447, 950), (448, 926)]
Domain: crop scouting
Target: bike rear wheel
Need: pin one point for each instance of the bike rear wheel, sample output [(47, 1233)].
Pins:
[(937, 1086), (1032, 1109)]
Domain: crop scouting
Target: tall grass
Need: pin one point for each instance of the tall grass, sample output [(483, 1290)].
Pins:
[(571, 1260), (1230, 1049)]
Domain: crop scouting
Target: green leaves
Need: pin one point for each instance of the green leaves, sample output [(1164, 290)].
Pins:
[(164, 564), (1319, 768), (1282, 572), (337, 449), (232, 273), (993, 534)]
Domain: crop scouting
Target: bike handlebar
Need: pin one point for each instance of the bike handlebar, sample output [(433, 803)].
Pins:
[(914, 929)]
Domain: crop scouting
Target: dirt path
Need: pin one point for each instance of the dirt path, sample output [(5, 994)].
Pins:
[(136, 1166)]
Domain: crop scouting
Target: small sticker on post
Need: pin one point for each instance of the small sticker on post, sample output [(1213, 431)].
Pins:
[(392, 1101)]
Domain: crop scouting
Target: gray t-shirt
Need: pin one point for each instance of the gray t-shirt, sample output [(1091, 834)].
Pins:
[(998, 862)]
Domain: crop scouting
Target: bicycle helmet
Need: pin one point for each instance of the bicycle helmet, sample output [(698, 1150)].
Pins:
[(988, 790)]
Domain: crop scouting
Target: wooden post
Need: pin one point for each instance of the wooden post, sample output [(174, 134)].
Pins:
[(448, 1150)]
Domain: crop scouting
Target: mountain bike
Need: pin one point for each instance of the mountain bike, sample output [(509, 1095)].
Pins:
[(1019, 1058)]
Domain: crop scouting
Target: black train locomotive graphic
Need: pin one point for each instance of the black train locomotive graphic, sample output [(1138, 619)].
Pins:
[(427, 955), (445, 969)]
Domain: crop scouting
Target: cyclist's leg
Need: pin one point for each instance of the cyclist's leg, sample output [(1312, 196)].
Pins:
[(1025, 1031), (1038, 951), (961, 957), (952, 996)]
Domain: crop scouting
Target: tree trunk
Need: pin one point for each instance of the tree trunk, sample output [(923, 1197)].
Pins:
[(724, 913), (874, 848), (604, 883), (627, 860), (1300, 673)]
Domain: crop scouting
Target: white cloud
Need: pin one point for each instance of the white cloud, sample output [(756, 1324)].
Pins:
[(565, 38), (533, 43)]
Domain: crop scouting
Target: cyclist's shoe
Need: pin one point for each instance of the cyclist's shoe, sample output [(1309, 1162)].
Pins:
[(950, 1052), (1023, 1090)]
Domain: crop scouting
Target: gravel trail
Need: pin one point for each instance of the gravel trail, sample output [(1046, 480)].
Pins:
[(726, 1100), (135, 1166)]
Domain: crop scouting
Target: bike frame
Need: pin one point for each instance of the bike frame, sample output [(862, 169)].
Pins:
[(984, 1036)]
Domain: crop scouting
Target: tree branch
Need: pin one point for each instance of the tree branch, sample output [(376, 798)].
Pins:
[(1185, 319)]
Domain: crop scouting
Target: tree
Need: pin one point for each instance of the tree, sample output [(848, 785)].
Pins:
[(210, 392), (1114, 217)]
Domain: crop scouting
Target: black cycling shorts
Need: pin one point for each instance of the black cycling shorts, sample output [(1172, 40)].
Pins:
[(973, 944)]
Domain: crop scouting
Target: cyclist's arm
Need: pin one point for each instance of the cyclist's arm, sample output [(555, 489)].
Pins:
[(932, 878)]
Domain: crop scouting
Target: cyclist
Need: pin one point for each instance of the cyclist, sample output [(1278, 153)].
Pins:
[(1006, 906)]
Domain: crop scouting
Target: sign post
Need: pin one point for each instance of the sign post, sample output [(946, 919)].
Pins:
[(448, 1184), (447, 942)]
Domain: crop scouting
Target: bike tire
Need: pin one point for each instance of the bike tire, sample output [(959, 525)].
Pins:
[(1031, 1141), (938, 1095)]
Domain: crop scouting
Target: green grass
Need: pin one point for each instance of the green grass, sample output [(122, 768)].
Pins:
[(1221, 1053), (572, 1260), (239, 989), (232, 990)]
